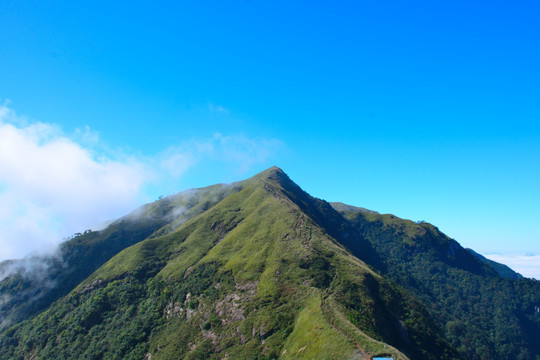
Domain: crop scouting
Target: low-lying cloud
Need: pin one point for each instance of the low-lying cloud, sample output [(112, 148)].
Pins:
[(53, 184), (526, 265)]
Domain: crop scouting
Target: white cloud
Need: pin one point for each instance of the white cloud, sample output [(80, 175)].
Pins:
[(86, 135), (526, 265), (217, 108), (53, 185), (238, 152)]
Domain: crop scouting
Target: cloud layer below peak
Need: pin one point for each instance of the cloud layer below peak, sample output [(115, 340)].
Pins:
[(526, 265)]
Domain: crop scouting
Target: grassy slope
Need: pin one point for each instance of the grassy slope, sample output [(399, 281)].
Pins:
[(246, 235), (37, 282), (248, 278)]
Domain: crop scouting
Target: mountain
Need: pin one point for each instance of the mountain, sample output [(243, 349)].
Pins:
[(484, 313), (261, 270), (501, 269), (30, 285)]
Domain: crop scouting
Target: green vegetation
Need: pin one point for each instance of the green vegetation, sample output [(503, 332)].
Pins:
[(483, 314), (313, 336), (260, 270), (37, 282), (503, 270)]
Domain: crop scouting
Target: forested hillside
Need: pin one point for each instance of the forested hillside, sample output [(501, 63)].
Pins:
[(261, 270), (253, 277), (484, 314)]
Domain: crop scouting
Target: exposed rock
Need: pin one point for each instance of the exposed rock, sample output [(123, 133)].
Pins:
[(190, 314), (93, 285), (243, 339), (188, 271), (229, 309), (250, 289), (262, 331), (173, 310), (210, 335), (250, 285)]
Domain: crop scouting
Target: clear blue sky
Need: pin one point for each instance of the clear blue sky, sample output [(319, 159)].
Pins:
[(426, 109)]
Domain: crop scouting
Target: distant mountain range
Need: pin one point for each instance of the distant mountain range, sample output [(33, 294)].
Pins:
[(259, 269)]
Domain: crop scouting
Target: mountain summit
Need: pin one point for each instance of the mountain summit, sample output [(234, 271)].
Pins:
[(259, 269)]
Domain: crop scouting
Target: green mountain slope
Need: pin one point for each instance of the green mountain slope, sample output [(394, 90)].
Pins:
[(261, 272), (484, 314), (30, 285), (501, 269)]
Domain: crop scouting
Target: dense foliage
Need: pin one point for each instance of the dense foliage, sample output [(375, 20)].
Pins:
[(30, 285), (485, 315), (253, 275), (262, 270)]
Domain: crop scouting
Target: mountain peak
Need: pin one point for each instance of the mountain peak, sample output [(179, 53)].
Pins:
[(259, 268), (277, 179), (270, 173)]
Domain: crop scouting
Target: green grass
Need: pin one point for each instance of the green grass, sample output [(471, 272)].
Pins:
[(368, 345), (246, 277), (314, 338)]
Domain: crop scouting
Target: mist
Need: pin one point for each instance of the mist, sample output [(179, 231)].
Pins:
[(54, 184)]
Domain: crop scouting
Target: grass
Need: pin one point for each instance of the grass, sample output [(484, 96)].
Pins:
[(314, 338), (368, 345), (255, 271)]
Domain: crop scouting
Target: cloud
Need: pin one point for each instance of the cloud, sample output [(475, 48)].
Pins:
[(87, 136), (217, 108), (53, 185), (238, 153), (526, 265)]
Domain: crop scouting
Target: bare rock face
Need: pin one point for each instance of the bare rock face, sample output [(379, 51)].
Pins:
[(173, 310), (229, 309)]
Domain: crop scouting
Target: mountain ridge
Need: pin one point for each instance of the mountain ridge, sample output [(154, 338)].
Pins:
[(81, 255), (259, 269), (461, 290)]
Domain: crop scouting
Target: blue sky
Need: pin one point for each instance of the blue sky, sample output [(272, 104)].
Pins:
[(429, 110)]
